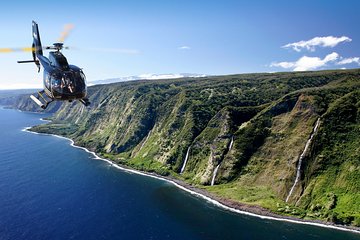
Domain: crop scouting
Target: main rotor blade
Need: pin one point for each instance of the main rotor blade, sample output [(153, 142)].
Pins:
[(65, 33), (28, 49), (9, 50)]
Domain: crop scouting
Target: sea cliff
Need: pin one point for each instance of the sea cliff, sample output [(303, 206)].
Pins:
[(238, 137)]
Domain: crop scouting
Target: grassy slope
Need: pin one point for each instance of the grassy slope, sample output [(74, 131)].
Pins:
[(149, 125), (333, 176)]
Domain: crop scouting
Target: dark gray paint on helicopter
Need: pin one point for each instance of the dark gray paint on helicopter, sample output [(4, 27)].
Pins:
[(61, 80)]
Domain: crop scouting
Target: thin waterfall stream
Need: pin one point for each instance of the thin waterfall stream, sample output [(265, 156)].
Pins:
[(185, 161), (217, 167), (298, 170)]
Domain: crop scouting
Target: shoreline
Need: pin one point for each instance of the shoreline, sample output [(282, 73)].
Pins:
[(226, 204)]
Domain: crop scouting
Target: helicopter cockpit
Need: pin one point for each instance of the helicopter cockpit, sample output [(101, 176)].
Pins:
[(67, 85), (62, 82)]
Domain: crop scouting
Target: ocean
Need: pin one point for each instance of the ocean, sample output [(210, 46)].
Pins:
[(51, 190)]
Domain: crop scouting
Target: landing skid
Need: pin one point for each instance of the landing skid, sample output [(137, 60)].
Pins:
[(85, 101), (41, 99)]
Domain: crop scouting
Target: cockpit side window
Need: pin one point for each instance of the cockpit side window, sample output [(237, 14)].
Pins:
[(47, 79), (83, 75), (55, 81)]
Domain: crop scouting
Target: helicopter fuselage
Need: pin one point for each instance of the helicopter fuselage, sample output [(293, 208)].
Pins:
[(61, 80)]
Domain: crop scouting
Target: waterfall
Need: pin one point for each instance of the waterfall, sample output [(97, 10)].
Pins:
[(217, 167), (298, 170), (231, 143), (185, 161), (147, 137), (214, 175)]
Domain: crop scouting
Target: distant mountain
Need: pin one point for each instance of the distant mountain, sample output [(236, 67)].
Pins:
[(146, 77), (20, 99), (288, 142), (16, 92)]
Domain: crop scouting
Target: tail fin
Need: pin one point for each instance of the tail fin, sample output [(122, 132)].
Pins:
[(36, 36)]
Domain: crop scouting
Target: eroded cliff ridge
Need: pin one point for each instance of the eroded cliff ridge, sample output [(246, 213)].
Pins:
[(237, 136)]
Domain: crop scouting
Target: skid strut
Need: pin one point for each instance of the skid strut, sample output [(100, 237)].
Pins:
[(41, 100), (85, 101)]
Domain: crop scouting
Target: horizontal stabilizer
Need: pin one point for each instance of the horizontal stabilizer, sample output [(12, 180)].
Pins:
[(29, 61)]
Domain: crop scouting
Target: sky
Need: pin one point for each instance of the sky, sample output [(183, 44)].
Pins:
[(122, 38)]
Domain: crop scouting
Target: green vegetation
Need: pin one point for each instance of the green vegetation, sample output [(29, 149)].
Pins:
[(333, 173), (252, 195), (266, 119)]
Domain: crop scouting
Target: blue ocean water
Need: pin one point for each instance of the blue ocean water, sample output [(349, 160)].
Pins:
[(50, 190)]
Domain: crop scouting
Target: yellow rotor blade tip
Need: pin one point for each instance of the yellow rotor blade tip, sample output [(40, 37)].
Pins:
[(65, 32), (6, 50)]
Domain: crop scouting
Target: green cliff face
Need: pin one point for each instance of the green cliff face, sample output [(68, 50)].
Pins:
[(249, 129), (20, 99)]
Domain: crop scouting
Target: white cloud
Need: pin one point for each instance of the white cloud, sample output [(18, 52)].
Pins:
[(184, 48), (331, 57), (306, 63), (310, 45), (349, 61), (283, 64)]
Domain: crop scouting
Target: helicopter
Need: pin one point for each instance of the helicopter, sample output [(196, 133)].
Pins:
[(61, 81)]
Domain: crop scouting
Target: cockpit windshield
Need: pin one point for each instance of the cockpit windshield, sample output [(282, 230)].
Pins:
[(69, 83)]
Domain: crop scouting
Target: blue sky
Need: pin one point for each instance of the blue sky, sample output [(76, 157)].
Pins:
[(123, 38)]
